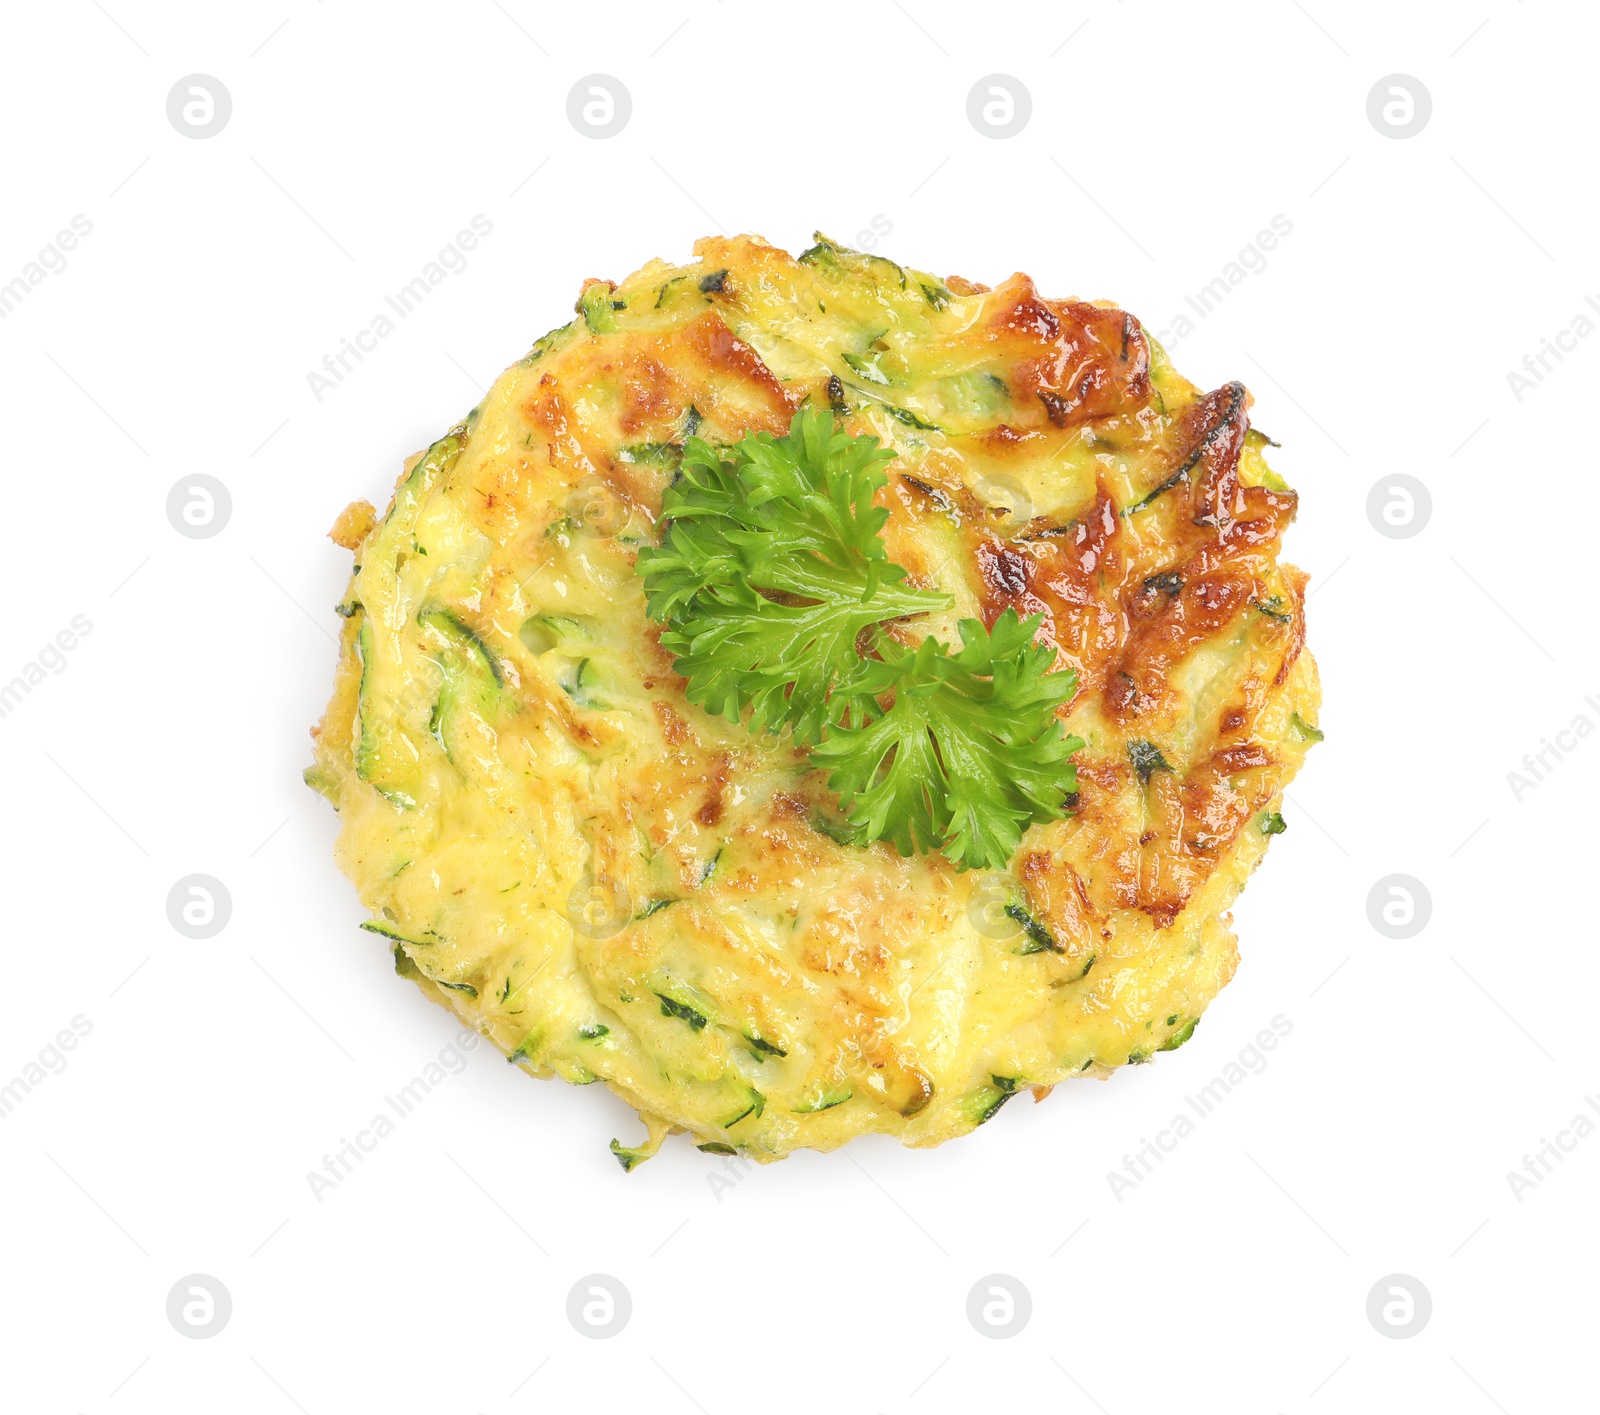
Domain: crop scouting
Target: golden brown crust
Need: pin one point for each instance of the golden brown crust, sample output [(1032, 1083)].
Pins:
[(353, 525)]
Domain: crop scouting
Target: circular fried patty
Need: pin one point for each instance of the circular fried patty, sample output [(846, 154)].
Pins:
[(615, 886)]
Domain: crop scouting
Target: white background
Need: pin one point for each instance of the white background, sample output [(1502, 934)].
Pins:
[(177, 341)]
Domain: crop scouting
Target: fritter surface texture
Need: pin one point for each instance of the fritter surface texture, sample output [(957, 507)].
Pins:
[(615, 886)]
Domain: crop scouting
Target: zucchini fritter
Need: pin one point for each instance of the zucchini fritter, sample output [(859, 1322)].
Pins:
[(615, 886)]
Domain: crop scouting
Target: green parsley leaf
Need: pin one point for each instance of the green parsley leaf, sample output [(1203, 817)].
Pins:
[(772, 577), (771, 568), (970, 753)]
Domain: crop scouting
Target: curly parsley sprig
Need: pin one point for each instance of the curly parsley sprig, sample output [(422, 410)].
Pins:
[(771, 568), (773, 572), (969, 754)]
